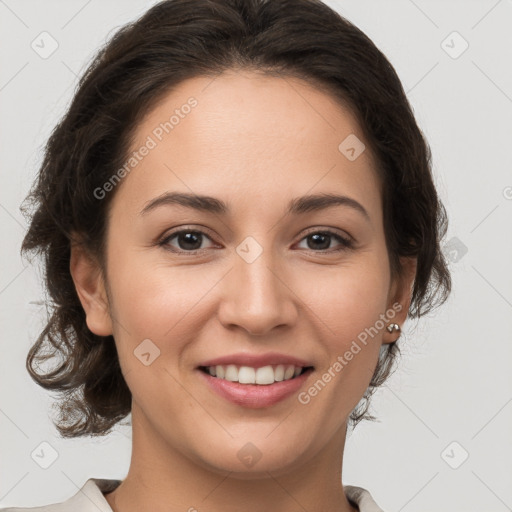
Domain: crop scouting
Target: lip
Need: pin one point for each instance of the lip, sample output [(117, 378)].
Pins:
[(256, 360), (255, 396)]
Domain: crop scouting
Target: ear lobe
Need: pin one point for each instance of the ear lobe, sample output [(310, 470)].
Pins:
[(400, 297), (89, 285)]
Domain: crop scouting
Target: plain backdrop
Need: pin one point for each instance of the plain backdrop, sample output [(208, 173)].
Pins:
[(443, 440)]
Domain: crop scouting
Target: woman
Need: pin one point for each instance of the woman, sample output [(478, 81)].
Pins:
[(237, 215)]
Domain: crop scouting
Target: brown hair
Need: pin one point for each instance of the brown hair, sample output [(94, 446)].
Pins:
[(173, 41)]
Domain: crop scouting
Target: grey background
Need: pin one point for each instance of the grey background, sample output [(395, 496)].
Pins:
[(454, 383)]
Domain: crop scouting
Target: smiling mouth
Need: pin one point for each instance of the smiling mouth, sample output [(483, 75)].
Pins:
[(264, 376)]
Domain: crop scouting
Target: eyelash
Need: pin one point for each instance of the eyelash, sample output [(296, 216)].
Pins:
[(346, 243)]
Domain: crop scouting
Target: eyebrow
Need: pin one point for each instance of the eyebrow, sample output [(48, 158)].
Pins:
[(297, 206)]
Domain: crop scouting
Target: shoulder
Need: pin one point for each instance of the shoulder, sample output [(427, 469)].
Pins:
[(88, 499), (361, 498)]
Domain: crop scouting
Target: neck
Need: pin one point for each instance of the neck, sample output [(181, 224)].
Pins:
[(162, 478)]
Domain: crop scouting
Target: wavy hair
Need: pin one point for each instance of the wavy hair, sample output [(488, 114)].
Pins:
[(173, 41)]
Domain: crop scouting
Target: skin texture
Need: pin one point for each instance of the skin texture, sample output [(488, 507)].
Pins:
[(254, 142)]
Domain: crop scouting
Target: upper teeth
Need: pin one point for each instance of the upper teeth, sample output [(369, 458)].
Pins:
[(247, 375)]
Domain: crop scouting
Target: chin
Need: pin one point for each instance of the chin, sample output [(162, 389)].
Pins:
[(248, 462)]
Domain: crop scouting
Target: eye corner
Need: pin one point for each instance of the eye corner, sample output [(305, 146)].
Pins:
[(346, 241)]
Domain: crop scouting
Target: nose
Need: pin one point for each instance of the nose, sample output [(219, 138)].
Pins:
[(256, 296)]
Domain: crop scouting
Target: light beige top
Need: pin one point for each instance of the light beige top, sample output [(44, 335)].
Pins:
[(90, 499)]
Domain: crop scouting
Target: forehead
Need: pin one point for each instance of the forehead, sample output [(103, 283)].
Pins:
[(244, 133)]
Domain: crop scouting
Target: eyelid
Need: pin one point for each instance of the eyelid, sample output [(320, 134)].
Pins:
[(346, 241), (329, 231), (203, 230)]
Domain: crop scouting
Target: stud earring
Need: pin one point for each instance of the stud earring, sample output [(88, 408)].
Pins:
[(393, 327)]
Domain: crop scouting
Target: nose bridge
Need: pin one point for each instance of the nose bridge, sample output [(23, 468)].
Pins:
[(256, 298)]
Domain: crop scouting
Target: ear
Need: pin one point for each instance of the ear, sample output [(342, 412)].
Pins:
[(90, 287), (399, 298)]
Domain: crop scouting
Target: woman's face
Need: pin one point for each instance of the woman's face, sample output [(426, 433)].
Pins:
[(261, 277)]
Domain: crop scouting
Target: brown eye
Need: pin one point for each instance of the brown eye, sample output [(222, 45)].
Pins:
[(318, 241), (187, 241)]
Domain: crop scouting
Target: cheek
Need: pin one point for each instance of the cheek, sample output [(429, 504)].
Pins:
[(349, 298), (347, 306), (159, 301), (160, 304)]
